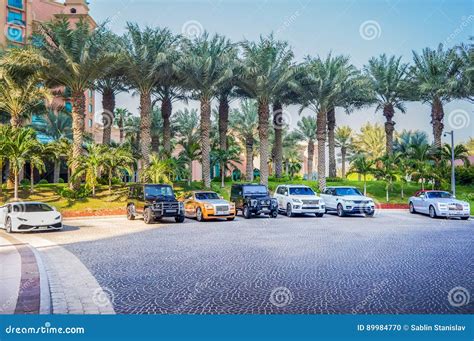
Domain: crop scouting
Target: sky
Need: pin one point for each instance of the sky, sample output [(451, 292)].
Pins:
[(359, 29)]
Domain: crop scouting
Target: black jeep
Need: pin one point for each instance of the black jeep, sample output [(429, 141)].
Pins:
[(253, 199), (154, 202)]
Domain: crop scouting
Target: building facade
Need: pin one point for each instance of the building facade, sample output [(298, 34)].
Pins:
[(19, 18)]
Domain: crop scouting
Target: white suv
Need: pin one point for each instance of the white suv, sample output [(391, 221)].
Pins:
[(296, 199), (346, 200)]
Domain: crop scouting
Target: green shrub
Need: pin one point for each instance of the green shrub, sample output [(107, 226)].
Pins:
[(82, 193), (465, 175), (60, 181), (24, 182), (335, 179), (43, 182)]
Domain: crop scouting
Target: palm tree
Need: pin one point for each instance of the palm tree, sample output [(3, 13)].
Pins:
[(343, 139), (320, 89), (18, 145), (158, 171), (244, 123), (36, 161), (307, 131), (460, 153), (117, 160), (20, 96), (156, 129), (91, 166), (407, 138), (111, 83), (61, 150), (204, 64), (267, 69), (386, 169), (66, 59), (435, 76), (225, 158), (191, 152), (388, 77), (146, 52), (370, 140), (186, 123), (360, 164), (421, 156), (470, 146), (120, 117), (54, 125), (465, 58)]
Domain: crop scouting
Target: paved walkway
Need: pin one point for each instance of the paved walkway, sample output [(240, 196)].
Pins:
[(39, 276)]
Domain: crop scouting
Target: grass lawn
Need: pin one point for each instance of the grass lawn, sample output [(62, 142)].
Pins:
[(49, 193)]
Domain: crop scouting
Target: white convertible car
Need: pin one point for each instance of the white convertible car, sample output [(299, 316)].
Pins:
[(439, 204), (29, 216)]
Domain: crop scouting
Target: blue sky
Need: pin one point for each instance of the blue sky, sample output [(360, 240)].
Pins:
[(360, 29)]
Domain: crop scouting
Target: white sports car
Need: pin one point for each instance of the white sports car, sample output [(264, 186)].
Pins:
[(439, 204), (29, 216)]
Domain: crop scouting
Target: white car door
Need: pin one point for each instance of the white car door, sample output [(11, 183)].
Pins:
[(330, 198)]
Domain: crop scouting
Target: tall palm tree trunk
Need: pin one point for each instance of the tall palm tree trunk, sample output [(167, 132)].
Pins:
[(223, 126), (278, 146), (321, 137), (389, 112), (120, 124), (205, 141), (78, 108), (15, 120), (343, 160), (331, 117), (310, 158), (56, 171), (108, 104), (437, 115), (145, 129), (166, 111), (155, 143), (263, 116), (32, 178), (16, 181), (249, 159)]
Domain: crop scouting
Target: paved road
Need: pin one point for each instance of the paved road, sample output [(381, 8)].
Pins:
[(392, 263)]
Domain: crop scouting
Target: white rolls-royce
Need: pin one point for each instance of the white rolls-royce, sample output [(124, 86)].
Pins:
[(439, 204), (29, 216)]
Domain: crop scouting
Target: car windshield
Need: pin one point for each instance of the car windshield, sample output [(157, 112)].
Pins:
[(29, 208), (207, 196), (152, 192), (301, 191), (255, 190), (439, 195), (347, 191)]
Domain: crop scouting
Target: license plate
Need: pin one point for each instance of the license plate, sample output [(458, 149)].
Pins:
[(170, 211), (222, 213)]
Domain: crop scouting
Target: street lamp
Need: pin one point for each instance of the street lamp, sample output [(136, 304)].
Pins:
[(453, 174)]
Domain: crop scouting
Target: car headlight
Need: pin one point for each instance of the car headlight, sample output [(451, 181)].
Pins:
[(58, 217), (22, 219), (253, 202), (298, 201), (231, 205), (208, 206)]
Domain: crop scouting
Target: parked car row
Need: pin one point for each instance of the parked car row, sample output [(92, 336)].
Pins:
[(156, 201)]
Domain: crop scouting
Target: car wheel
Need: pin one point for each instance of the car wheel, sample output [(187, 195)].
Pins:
[(464, 218), (370, 214), (340, 211), (199, 214), (130, 212), (246, 212), (319, 215), (8, 225), (274, 214), (179, 219), (412, 208), (148, 216), (289, 213), (433, 212)]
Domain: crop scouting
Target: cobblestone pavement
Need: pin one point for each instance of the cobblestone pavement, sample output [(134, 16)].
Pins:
[(392, 263)]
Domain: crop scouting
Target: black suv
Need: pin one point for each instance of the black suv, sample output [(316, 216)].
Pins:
[(154, 202), (253, 199)]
